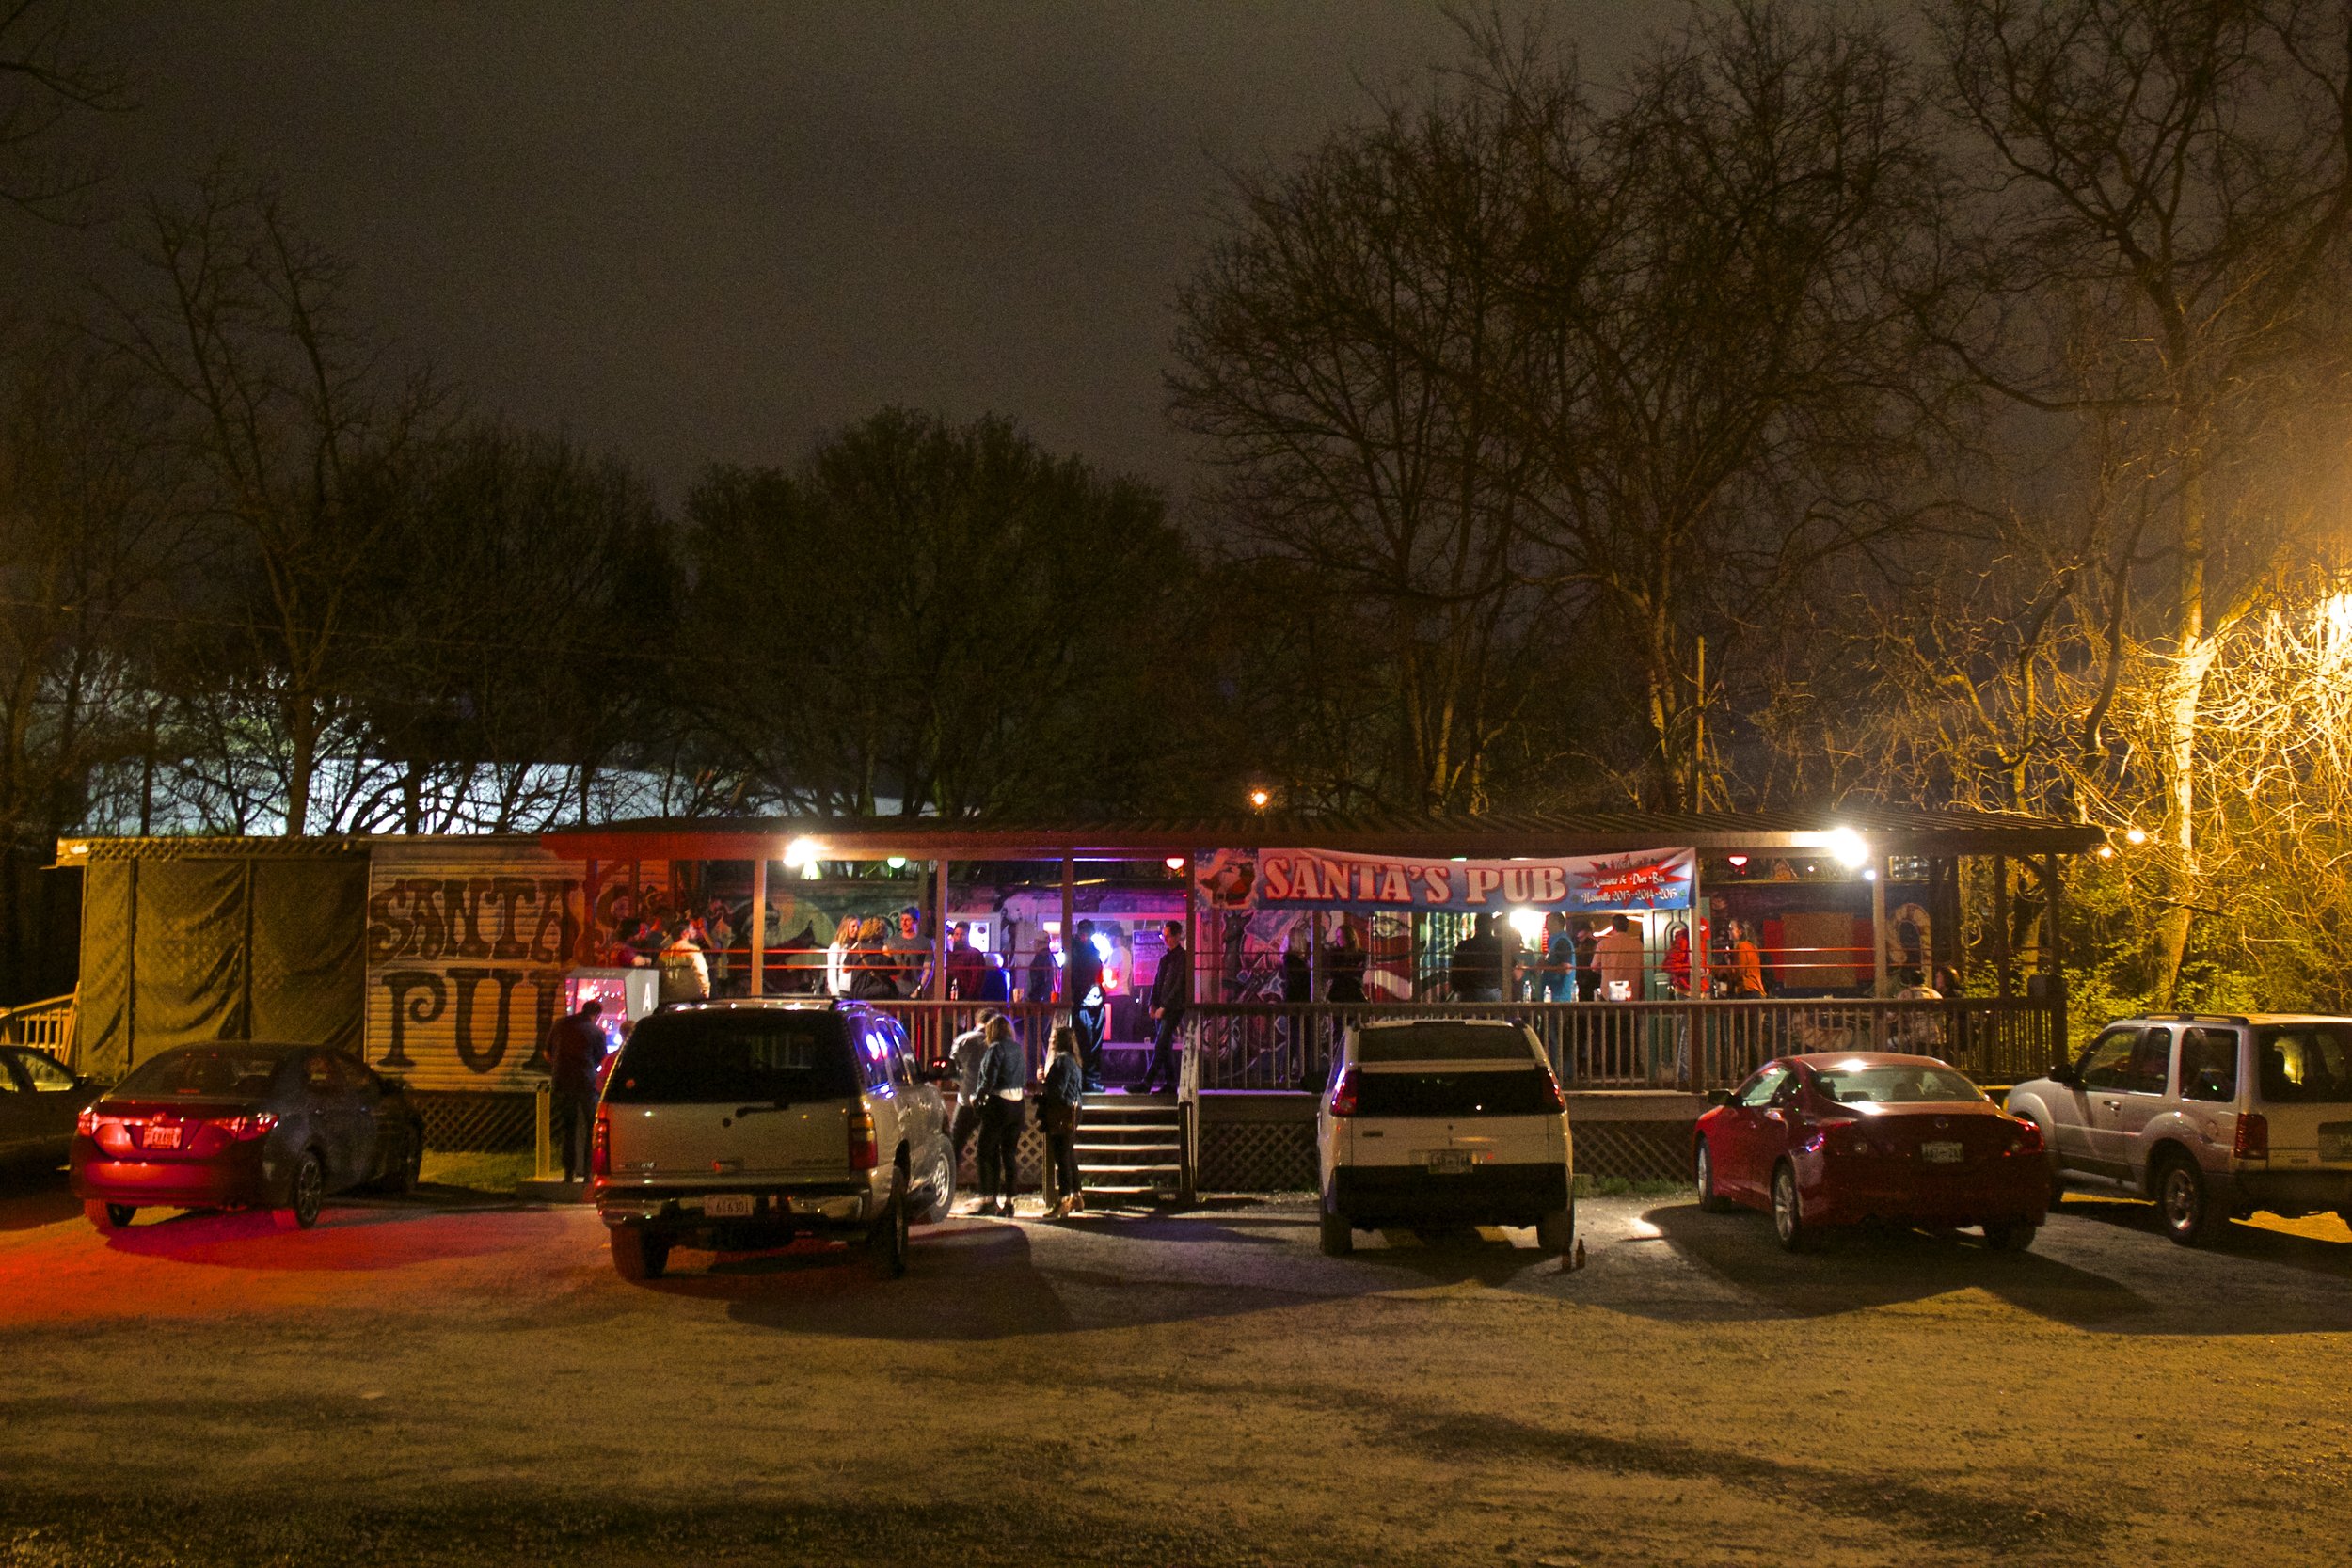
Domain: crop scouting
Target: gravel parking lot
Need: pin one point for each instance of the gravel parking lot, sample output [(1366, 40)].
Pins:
[(460, 1379)]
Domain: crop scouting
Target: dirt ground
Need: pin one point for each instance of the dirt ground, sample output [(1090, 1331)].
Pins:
[(463, 1379)]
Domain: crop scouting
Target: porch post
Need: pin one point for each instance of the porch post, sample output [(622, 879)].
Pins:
[(2000, 926), (1069, 922), (1878, 924), (939, 931), (2056, 960), (758, 923)]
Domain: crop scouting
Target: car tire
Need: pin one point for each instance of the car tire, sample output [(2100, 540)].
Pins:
[(107, 1218), (2009, 1236), (639, 1253), (1339, 1237), (1703, 1172), (401, 1179), (1555, 1233), (2184, 1205), (942, 1185), (887, 1247), (306, 1195), (1788, 1222)]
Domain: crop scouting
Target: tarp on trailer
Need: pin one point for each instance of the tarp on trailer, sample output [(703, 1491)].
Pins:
[(243, 943)]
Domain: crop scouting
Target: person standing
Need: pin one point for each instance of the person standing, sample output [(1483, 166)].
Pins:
[(1476, 972), (968, 1053), (1747, 963), (720, 931), (1587, 945), (1003, 1079), (1558, 968), (1346, 961), (1171, 996), (907, 954), (1618, 958), (574, 1050), (1058, 1101), (1082, 988), (965, 965)]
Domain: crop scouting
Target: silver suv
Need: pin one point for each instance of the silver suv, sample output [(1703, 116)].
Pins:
[(746, 1124), (2211, 1116)]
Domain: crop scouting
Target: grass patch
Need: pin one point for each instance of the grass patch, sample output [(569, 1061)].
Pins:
[(480, 1173)]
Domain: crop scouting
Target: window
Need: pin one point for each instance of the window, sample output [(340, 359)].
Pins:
[(1443, 1041), (2305, 1064), (203, 1070), (2209, 1065), (1504, 1092), (1885, 1083), (1762, 1087), (2108, 1061), (2152, 1061), (45, 1076), (725, 1057)]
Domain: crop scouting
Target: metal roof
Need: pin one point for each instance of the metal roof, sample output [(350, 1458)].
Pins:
[(1494, 835)]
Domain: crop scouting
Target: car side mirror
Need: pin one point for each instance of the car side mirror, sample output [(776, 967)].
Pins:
[(1719, 1097), (2063, 1072)]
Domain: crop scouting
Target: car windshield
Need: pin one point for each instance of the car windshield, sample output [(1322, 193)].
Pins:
[(729, 1056), (2305, 1064), (1506, 1092), (1440, 1041), (213, 1070), (1893, 1083)]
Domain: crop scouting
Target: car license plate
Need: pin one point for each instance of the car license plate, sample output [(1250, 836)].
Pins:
[(1941, 1154), (1448, 1161), (2335, 1141), (729, 1206), (162, 1137)]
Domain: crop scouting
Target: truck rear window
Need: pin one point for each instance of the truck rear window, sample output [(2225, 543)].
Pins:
[(747, 1056), (1509, 1092), (2305, 1064)]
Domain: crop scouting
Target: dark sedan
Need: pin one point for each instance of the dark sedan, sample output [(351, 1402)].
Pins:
[(40, 1098), (239, 1124), (1840, 1139)]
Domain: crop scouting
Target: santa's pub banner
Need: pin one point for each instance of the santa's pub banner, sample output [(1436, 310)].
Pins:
[(1321, 879)]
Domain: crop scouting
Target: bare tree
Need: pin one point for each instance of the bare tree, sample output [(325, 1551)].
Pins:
[(45, 77)]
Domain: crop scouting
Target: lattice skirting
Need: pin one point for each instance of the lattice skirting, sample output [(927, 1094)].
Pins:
[(1258, 1157), (477, 1123), (1029, 1161), (1637, 1150)]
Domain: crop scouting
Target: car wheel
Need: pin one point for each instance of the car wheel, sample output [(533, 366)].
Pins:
[(400, 1177), (639, 1253), (305, 1195), (2184, 1205), (1703, 1171), (107, 1217), (2012, 1236), (1339, 1237), (942, 1183), (1789, 1210), (1556, 1231), (889, 1247)]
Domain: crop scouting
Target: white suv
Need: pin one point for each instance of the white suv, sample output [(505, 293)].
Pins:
[(1444, 1121), (745, 1124)]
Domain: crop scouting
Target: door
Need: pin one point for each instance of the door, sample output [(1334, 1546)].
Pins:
[(56, 1098), (17, 1110), (2130, 1098), (1743, 1160), (372, 1143), (336, 1117), (2100, 1072)]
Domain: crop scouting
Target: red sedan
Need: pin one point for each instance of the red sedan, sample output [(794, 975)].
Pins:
[(1840, 1139)]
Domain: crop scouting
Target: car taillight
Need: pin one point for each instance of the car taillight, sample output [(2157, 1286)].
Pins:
[(1844, 1137), (1553, 1099), (864, 1153), (600, 1145), (248, 1128), (1343, 1097), (2254, 1137), (87, 1123), (2025, 1138)]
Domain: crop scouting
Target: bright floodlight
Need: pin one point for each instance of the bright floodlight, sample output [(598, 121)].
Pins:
[(2135, 835), (800, 852), (1848, 845), (1529, 924), (1259, 799), (1175, 862)]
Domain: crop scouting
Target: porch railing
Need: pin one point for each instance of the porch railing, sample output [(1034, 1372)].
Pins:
[(1692, 1046), (45, 1025)]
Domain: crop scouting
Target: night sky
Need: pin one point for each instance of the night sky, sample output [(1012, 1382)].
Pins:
[(696, 233)]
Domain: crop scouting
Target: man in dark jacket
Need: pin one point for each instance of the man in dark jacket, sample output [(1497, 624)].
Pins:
[(1171, 994), (574, 1050), (1476, 973), (1082, 977)]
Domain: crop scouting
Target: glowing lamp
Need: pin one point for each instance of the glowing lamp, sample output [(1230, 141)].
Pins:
[(1850, 848), (1175, 862), (897, 863), (2135, 835), (1260, 800), (2106, 851), (1739, 862), (1529, 924)]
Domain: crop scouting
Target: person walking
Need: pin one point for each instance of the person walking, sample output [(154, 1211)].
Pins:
[(967, 1053), (1060, 1100), (574, 1049), (1002, 1082), (1476, 972), (1081, 973), (1171, 996)]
